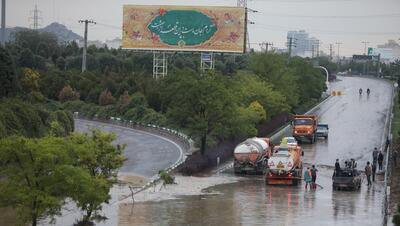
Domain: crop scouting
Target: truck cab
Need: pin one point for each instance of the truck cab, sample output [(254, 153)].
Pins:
[(305, 127)]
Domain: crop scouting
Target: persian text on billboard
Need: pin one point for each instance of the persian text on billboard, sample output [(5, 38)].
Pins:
[(184, 28)]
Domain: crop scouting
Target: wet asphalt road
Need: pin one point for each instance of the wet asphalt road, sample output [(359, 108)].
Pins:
[(146, 153), (356, 126)]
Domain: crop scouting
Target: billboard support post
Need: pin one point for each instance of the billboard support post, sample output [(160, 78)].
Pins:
[(160, 64), (206, 61)]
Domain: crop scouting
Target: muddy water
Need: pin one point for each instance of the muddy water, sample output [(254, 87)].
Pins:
[(251, 202)]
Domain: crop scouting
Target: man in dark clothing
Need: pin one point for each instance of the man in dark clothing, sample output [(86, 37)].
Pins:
[(373, 171), (368, 173), (375, 155), (394, 157), (387, 143), (313, 177), (380, 160), (337, 167)]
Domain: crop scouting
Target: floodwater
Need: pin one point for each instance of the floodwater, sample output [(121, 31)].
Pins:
[(356, 126)]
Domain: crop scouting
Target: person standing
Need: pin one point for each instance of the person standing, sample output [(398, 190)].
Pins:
[(394, 157), (387, 143), (307, 177), (375, 155), (380, 160), (313, 177), (368, 173), (373, 171), (337, 167)]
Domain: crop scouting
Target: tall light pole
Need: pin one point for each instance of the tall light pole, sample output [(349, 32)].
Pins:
[(85, 42), (338, 54), (338, 49), (365, 47), (3, 22)]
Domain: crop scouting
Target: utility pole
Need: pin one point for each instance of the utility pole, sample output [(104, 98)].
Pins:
[(330, 51), (291, 43), (266, 44), (35, 17), (365, 47), (3, 22), (85, 42), (338, 54), (338, 44)]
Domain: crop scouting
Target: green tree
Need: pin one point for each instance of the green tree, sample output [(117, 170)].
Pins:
[(201, 104), (8, 77), (272, 68), (29, 170), (101, 159)]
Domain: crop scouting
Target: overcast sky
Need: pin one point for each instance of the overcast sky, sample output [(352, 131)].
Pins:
[(347, 21)]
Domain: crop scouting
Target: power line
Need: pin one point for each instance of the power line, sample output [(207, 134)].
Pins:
[(334, 32), (333, 16)]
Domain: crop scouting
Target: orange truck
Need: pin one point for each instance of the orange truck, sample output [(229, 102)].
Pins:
[(305, 127), (285, 166), (251, 155)]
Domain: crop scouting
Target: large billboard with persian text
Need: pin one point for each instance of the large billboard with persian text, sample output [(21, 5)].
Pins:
[(184, 28)]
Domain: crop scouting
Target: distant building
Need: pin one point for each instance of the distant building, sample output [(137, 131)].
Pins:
[(114, 44), (303, 44), (389, 51)]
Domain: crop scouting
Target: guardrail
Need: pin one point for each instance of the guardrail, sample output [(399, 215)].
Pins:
[(184, 141), (388, 165)]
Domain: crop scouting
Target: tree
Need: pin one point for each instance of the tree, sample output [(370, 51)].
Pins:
[(68, 94), (106, 98), (101, 159), (30, 176), (124, 99), (29, 80), (201, 104), (26, 59), (273, 70), (8, 77)]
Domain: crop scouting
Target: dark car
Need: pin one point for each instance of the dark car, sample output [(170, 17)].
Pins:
[(346, 179)]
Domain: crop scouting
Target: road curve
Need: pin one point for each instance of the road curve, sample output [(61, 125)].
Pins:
[(146, 153)]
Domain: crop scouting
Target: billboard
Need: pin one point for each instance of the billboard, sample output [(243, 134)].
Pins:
[(184, 28)]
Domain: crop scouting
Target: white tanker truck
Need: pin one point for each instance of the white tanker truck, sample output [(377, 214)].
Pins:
[(251, 155)]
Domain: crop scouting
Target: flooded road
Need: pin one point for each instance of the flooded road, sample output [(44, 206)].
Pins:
[(356, 126)]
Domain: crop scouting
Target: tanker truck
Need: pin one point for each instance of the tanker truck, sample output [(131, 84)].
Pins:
[(285, 165), (251, 156)]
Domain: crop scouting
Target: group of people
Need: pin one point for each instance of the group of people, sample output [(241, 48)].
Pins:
[(370, 170), (361, 90), (310, 177), (348, 164)]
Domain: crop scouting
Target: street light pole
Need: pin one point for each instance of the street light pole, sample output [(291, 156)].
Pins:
[(365, 47)]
